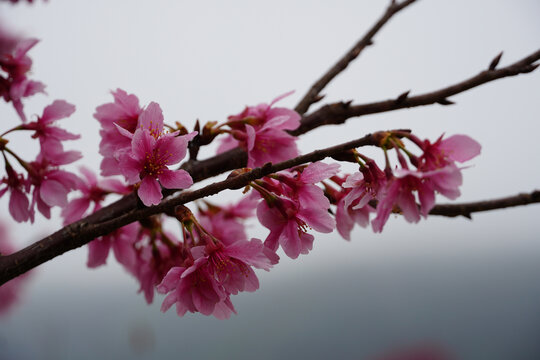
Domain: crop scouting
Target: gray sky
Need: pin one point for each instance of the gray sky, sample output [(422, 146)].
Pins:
[(209, 59)]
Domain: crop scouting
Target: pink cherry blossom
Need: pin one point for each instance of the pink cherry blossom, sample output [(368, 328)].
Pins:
[(19, 205), (300, 185), (400, 193), (441, 153), (288, 223), (261, 131), (17, 64), (122, 241), (194, 288), (154, 260), (148, 162), (51, 186), (365, 185), (123, 112), (50, 136), (93, 191)]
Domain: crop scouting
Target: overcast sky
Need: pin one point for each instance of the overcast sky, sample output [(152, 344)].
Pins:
[(208, 59)]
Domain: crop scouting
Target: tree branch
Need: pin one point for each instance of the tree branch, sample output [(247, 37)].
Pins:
[(466, 209), (312, 96), (338, 113), (87, 229)]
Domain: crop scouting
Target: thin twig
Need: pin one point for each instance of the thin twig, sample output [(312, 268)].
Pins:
[(466, 209), (312, 96), (338, 113)]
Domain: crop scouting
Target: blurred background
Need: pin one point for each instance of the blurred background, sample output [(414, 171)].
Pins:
[(469, 287)]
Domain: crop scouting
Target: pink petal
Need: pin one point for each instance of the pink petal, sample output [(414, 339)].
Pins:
[(130, 168), (318, 218), (150, 192), (408, 206), (53, 193), (142, 144), (251, 136), (98, 251), (318, 171), (177, 179), (460, 147), (59, 109), (19, 205), (171, 280), (75, 210), (152, 118)]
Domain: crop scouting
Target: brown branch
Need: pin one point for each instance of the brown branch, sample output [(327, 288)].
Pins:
[(466, 209), (87, 229), (312, 96), (337, 113)]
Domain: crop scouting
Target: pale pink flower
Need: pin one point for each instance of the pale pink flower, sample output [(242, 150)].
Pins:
[(17, 64), (50, 136), (93, 191), (123, 112), (261, 131)]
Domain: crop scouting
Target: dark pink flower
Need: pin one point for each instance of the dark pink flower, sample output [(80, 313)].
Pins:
[(19, 205), (194, 288), (148, 162), (122, 241), (288, 223), (261, 131), (154, 259), (365, 185)]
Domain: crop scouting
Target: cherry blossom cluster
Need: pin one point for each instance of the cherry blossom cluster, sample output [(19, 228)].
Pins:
[(214, 259), (262, 132), (405, 190), (135, 145), (41, 183), (15, 66)]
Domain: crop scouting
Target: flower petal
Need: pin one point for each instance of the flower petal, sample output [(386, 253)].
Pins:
[(177, 179), (150, 192)]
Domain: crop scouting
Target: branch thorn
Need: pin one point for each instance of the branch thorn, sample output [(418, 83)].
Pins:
[(495, 62)]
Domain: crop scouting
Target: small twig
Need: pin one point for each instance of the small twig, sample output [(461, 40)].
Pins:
[(338, 113), (312, 96)]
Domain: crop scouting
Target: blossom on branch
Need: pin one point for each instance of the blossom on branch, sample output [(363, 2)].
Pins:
[(14, 85), (261, 131), (152, 151)]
